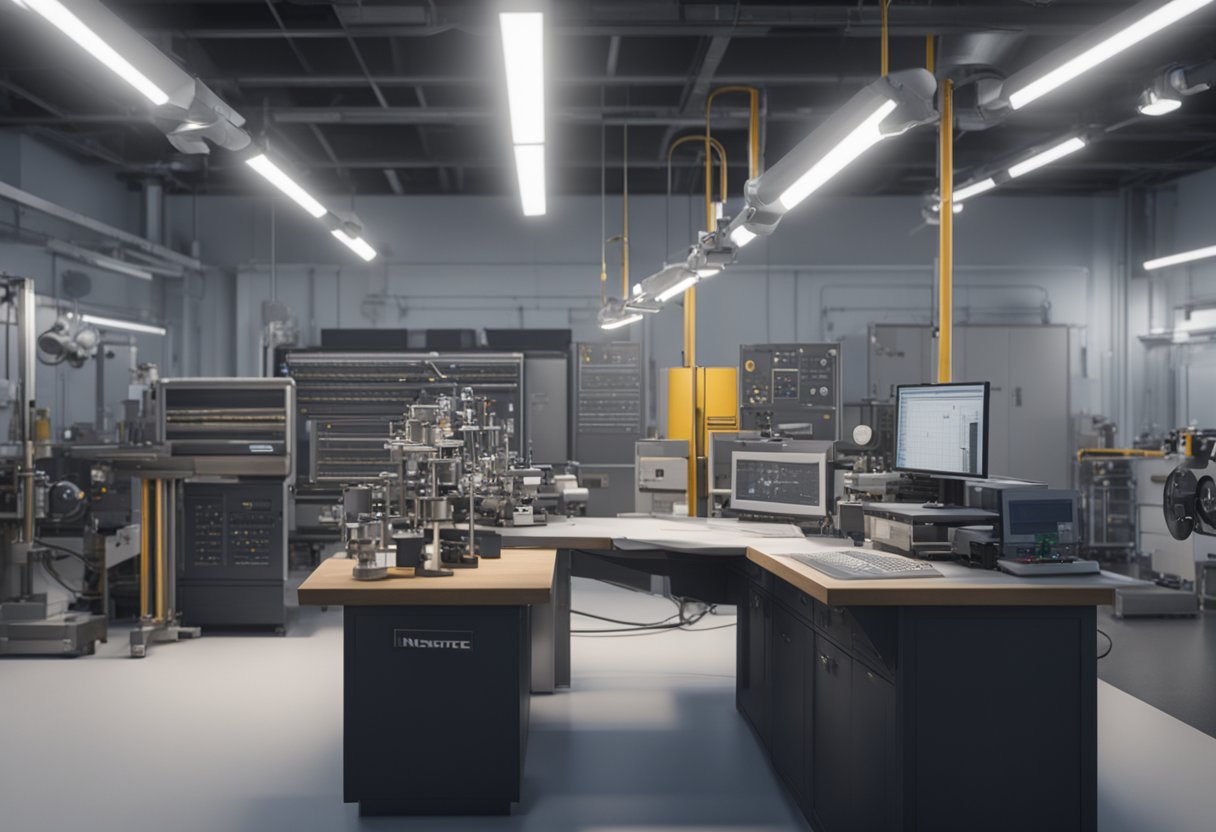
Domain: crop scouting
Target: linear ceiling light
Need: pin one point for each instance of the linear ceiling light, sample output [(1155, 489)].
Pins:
[(886, 107), (863, 137), (975, 189), (530, 169), (1125, 31), (1182, 257), (275, 176), (523, 48), (678, 288), (356, 244), (617, 323), (129, 326), (1048, 156), (65, 21)]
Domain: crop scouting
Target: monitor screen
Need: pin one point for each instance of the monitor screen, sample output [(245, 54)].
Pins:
[(942, 429), (779, 483), (1029, 514)]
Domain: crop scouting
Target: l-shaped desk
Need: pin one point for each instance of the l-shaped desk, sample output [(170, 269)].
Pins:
[(965, 702)]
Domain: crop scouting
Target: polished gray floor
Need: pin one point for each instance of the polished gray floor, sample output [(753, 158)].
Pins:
[(244, 733), (1170, 663)]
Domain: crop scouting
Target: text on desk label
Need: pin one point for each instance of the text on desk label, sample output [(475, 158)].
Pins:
[(433, 639)]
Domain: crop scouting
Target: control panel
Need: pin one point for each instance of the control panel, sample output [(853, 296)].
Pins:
[(790, 384), (234, 529), (608, 397)]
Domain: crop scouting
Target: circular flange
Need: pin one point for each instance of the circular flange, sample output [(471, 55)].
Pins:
[(1205, 501), (1179, 503)]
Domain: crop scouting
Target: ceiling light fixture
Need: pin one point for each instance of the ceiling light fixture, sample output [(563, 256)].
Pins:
[(1153, 103), (101, 261), (1182, 257), (1046, 157), (127, 326), (887, 107), (523, 47), (974, 189), (678, 288), (275, 176), (1121, 33), (65, 21), (356, 244)]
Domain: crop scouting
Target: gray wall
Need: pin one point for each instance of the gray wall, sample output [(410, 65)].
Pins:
[(830, 269)]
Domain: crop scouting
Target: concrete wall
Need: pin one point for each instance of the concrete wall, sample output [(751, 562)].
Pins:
[(830, 270)]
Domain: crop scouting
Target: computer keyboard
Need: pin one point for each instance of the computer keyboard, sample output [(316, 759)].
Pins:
[(866, 564)]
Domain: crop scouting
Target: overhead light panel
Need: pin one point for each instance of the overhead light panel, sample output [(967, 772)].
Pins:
[(275, 176), (678, 288), (864, 136), (523, 48), (886, 107), (530, 169), (1153, 103), (1046, 157), (128, 326), (975, 189), (623, 321), (65, 21), (1121, 33), (356, 244), (1182, 257)]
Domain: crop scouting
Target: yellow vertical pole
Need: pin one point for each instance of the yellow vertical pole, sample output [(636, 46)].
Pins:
[(145, 538), (930, 53), (160, 550), (885, 5), (945, 276)]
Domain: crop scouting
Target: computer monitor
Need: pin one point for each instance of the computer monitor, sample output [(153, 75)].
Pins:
[(1029, 514), (942, 429), (777, 483)]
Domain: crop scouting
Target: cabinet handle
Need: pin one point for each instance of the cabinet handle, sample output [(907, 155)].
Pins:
[(870, 675), (785, 637), (829, 664)]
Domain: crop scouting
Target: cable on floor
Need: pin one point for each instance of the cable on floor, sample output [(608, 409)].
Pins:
[(1110, 644)]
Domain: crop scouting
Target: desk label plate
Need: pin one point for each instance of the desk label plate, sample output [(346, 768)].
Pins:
[(460, 640)]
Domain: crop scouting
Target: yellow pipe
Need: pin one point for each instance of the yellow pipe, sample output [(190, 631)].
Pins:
[(930, 53), (1140, 453), (145, 520), (160, 550), (886, 54), (718, 148), (753, 137), (945, 277)]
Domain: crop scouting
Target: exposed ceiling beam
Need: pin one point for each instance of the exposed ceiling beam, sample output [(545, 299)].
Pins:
[(405, 80), (693, 97)]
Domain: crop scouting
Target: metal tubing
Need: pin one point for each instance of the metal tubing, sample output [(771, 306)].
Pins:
[(160, 549), (145, 537), (886, 52), (945, 277)]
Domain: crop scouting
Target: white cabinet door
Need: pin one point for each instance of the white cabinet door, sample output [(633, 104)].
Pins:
[(1039, 436), (981, 353)]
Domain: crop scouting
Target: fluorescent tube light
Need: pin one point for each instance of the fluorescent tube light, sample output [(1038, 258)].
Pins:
[(620, 322), (1131, 34), (523, 47), (356, 244), (1183, 257), (530, 169), (863, 137), (58, 16), (968, 191), (676, 289), (741, 236), (1047, 157), (129, 326), (275, 176), (708, 271), (101, 261)]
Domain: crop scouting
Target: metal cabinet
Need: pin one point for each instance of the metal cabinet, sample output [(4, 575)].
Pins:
[(872, 772), (753, 683), (832, 749), (787, 721)]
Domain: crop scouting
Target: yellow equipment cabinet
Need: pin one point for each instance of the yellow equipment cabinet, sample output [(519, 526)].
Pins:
[(700, 401)]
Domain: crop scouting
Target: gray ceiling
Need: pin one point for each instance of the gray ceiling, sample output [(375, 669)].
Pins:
[(408, 97)]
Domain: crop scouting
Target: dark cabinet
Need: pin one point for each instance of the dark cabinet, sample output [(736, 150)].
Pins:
[(752, 691), (787, 727), (832, 750), (872, 729)]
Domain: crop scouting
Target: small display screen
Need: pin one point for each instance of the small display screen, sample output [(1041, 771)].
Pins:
[(764, 481), (1037, 517)]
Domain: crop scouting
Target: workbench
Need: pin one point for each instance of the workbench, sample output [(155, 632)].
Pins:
[(436, 682), (961, 702)]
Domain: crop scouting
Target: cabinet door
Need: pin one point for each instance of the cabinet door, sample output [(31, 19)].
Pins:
[(752, 684), (786, 716), (1039, 436), (832, 756), (875, 784), (982, 354)]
